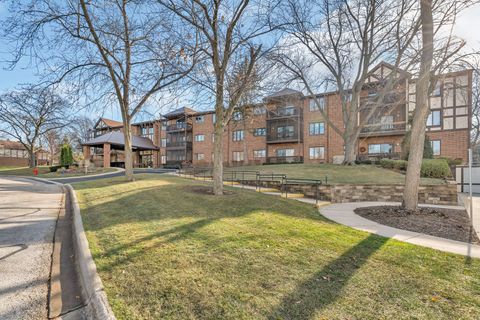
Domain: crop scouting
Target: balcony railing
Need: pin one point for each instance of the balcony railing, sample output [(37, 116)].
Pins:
[(383, 128), (286, 159), (179, 127), (284, 113), (283, 137), (378, 156), (179, 144)]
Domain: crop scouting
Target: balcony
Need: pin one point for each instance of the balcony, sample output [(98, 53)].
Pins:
[(179, 127), (179, 144), (285, 159), (383, 129), (280, 113), (283, 137)]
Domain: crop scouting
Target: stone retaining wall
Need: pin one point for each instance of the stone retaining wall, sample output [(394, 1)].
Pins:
[(428, 194)]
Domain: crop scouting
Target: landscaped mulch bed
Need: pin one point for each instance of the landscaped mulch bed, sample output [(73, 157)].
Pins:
[(446, 223)]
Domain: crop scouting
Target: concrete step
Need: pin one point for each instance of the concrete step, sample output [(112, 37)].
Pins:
[(205, 179), (231, 183), (293, 195), (267, 190)]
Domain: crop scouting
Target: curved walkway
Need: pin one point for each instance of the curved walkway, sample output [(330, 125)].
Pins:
[(343, 213)]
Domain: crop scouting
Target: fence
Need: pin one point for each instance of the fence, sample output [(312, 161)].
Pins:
[(462, 177)]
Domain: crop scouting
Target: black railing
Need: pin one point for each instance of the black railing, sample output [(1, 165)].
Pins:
[(280, 137), (179, 144), (383, 128), (284, 112), (287, 159), (378, 156), (179, 127)]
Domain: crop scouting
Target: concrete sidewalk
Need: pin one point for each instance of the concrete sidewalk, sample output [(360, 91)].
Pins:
[(343, 213), (28, 215)]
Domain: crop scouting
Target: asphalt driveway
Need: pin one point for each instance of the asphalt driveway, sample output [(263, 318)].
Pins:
[(28, 216)]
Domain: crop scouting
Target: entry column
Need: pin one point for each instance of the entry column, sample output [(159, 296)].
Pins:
[(106, 155)]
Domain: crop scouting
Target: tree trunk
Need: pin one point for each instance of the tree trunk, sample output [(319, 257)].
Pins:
[(350, 140), (417, 140), (32, 159), (127, 132), (218, 159)]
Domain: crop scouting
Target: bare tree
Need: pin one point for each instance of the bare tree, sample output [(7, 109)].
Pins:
[(52, 140), (412, 181), (31, 113), (231, 31), (335, 44), (121, 51), (79, 131)]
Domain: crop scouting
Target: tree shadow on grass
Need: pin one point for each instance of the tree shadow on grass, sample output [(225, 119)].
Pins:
[(327, 285)]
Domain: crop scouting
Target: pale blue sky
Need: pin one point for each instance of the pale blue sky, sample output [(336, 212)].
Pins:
[(467, 26)]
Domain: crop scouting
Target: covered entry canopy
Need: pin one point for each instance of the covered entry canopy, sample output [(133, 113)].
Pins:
[(117, 141)]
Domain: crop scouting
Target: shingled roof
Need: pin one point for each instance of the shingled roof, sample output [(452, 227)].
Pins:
[(109, 123), (284, 92), (179, 111), (117, 141)]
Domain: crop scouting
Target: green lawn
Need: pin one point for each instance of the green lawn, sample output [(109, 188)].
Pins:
[(44, 172), (337, 174), (22, 171), (166, 251)]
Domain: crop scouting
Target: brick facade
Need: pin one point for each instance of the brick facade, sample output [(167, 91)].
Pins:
[(286, 128)]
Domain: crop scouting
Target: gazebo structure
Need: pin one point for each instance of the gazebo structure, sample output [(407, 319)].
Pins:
[(115, 140)]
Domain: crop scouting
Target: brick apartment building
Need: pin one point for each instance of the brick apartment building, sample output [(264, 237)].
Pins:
[(13, 153), (288, 127)]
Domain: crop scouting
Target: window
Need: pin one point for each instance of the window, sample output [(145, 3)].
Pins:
[(199, 156), (435, 147), (199, 137), (164, 126), (387, 123), (313, 104), (163, 142), (285, 132), (200, 119), (237, 135), (286, 111), (259, 110), (214, 118), (285, 152), (317, 128), (147, 132), (213, 137), (237, 155), (433, 118), (317, 153), (237, 116), (260, 132), (259, 153), (163, 159), (437, 90), (380, 148)]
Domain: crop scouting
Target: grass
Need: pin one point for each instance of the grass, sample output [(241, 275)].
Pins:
[(44, 172), (164, 251), (337, 174), (22, 171)]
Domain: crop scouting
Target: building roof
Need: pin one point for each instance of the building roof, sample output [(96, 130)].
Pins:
[(7, 144), (284, 92), (178, 112), (117, 141), (109, 123)]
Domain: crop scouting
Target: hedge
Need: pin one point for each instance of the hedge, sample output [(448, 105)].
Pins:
[(431, 168), (435, 168)]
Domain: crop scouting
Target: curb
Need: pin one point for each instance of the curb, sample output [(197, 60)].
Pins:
[(89, 176), (97, 306)]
